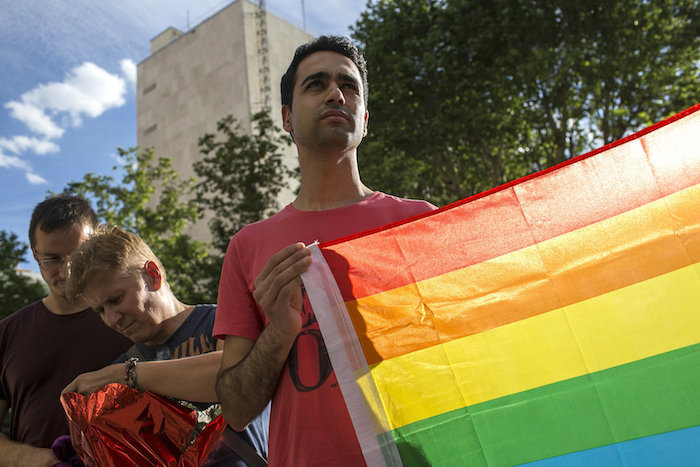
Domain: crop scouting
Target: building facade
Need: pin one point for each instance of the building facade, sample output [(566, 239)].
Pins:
[(231, 63)]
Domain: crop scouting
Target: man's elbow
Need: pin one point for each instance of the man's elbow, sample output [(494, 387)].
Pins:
[(237, 423), (228, 399), (234, 418)]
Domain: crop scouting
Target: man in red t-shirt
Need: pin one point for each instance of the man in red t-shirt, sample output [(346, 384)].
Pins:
[(273, 347)]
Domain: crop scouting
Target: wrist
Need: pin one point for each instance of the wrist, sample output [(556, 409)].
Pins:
[(282, 335), (130, 373)]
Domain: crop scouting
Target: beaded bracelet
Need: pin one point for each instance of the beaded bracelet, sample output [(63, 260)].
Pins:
[(130, 373)]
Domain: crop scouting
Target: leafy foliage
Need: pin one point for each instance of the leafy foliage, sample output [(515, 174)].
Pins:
[(16, 290), (241, 176), (153, 202), (469, 94)]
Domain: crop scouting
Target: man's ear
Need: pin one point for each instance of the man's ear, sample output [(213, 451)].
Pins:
[(153, 273), (287, 119), (364, 131)]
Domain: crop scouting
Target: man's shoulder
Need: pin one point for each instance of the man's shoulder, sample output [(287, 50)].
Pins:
[(205, 308), (259, 234), (202, 315), (18, 325), (23, 312), (203, 311), (406, 206), (254, 227), (264, 238), (32, 307), (381, 196)]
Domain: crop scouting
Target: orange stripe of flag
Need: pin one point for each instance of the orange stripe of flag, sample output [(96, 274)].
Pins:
[(606, 256)]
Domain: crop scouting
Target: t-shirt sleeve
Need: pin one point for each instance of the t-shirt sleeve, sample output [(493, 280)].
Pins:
[(416, 206), (236, 311), (405, 209)]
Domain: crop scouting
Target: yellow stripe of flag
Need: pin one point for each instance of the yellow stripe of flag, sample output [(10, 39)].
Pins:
[(561, 344)]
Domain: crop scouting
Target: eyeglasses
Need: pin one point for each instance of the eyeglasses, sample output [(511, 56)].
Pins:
[(51, 264)]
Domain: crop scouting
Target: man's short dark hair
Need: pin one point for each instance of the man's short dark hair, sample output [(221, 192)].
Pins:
[(337, 44), (59, 213)]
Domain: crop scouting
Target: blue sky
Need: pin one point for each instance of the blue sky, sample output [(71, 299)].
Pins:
[(67, 81)]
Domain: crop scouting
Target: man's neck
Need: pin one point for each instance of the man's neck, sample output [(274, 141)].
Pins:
[(329, 182), (62, 306), (178, 313)]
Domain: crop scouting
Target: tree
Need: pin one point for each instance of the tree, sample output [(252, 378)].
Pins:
[(153, 202), (469, 94), (241, 176), (16, 289), (602, 70), (439, 130)]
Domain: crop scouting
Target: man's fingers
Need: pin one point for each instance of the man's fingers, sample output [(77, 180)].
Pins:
[(283, 266), (279, 257), (278, 288), (70, 388)]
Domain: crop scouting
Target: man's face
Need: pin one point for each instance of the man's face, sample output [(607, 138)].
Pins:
[(328, 107), (127, 304), (51, 250)]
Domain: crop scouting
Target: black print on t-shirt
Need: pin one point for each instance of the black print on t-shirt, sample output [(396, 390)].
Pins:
[(310, 336)]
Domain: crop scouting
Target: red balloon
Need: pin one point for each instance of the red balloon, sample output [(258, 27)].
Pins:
[(117, 426)]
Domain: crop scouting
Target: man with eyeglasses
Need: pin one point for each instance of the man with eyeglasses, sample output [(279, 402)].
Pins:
[(46, 344)]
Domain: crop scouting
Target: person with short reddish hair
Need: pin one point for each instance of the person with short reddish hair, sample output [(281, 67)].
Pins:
[(174, 353)]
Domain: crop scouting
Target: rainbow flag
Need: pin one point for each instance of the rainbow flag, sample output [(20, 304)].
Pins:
[(552, 320)]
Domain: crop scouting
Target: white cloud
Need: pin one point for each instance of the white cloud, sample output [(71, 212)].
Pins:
[(19, 144), (48, 109), (35, 179), (12, 162), (87, 90), (128, 70), (35, 119)]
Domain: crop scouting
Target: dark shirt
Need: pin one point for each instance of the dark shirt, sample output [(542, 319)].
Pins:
[(40, 353)]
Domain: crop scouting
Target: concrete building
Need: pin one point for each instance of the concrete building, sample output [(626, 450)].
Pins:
[(231, 63)]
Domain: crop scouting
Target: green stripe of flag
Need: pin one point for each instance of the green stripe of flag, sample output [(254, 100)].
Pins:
[(650, 396)]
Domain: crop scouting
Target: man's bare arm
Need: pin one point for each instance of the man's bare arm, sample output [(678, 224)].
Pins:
[(188, 378), (245, 388), (251, 369), (13, 453)]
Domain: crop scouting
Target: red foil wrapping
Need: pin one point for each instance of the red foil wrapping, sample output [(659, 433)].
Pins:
[(119, 426)]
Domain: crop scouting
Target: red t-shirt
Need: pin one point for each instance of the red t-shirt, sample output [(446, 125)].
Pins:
[(309, 422)]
